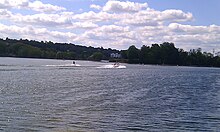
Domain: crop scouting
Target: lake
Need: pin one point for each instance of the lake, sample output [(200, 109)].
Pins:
[(54, 96)]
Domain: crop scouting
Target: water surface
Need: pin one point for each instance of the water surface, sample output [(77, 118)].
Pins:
[(38, 97)]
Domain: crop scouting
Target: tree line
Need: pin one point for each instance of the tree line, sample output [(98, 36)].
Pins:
[(161, 54), (35, 49), (167, 54)]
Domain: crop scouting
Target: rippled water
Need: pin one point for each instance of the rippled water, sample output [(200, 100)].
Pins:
[(38, 97)]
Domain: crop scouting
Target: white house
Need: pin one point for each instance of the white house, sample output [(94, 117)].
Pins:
[(115, 55)]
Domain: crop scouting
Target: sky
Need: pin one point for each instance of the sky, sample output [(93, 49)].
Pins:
[(189, 24)]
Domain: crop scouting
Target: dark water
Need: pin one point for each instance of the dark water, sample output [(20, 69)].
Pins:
[(36, 97)]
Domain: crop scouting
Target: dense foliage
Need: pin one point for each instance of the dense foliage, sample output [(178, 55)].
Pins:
[(161, 54), (35, 49), (168, 54)]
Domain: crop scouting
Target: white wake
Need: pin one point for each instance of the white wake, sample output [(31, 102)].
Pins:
[(65, 65), (112, 66)]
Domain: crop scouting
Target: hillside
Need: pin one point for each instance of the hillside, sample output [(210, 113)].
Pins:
[(35, 49)]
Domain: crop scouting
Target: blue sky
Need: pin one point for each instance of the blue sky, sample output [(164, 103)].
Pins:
[(113, 23)]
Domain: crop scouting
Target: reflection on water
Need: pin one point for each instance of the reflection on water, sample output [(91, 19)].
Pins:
[(36, 97)]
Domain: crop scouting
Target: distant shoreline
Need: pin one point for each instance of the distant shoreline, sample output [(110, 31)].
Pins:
[(157, 54), (112, 62)]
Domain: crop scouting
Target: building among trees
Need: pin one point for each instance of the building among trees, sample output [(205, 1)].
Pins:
[(115, 55)]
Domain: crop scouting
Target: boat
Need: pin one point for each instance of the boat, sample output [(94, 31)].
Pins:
[(116, 65)]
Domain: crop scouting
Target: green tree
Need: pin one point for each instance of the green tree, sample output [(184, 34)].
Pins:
[(154, 54), (183, 58), (97, 56), (124, 54), (144, 54), (3, 48), (133, 54), (169, 54)]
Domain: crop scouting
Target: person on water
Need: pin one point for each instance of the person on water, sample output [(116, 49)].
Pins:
[(116, 64), (74, 62)]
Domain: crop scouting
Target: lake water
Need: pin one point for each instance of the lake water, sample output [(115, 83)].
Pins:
[(53, 96)]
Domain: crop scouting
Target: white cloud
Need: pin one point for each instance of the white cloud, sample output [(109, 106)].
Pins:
[(112, 36), (175, 15), (39, 6), (30, 32), (150, 17), (26, 4), (116, 24), (139, 21), (95, 17), (118, 6), (43, 19), (5, 14), (207, 37), (188, 29), (5, 4), (84, 25), (110, 32), (62, 20), (97, 7)]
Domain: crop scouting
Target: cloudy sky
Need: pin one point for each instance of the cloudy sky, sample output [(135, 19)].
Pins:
[(113, 23)]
